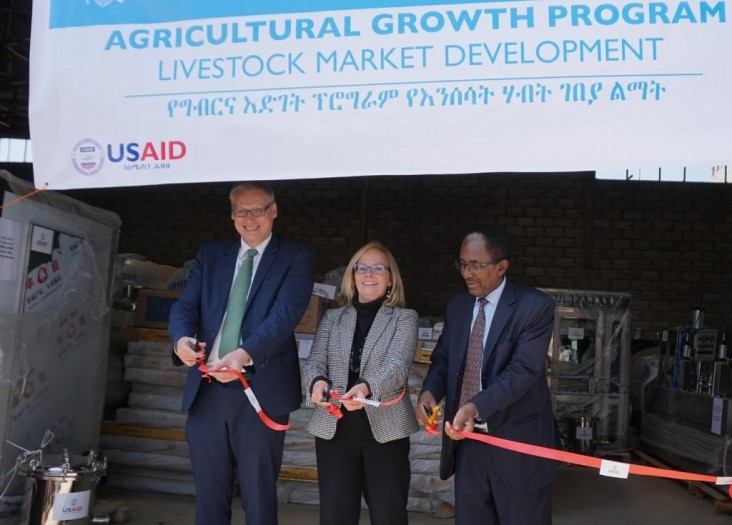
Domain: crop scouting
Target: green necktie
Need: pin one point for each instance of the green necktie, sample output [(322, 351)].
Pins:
[(237, 303)]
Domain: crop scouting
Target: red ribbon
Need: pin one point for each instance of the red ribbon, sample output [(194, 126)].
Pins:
[(588, 461), (335, 410), (395, 400), (250, 394)]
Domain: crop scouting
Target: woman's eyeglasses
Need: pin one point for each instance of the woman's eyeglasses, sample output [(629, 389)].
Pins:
[(376, 269)]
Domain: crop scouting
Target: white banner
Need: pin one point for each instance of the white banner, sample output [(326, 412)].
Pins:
[(135, 92)]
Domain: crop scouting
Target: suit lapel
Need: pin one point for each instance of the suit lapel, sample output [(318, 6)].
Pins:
[(265, 263), (225, 269), (504, 311), (348, 327), (381, 321)]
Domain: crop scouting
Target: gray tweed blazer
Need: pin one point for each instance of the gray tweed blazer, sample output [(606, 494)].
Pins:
[(388, 351)]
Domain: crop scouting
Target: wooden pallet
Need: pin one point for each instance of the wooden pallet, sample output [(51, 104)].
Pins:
[(298, 473), (722, 502), (124, 429)]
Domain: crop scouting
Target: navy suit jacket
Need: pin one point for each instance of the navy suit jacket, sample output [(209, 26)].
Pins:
[(278, 297), (515, 399)]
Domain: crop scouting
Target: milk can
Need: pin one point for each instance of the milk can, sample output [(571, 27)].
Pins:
[(583, 433), (59, 489)]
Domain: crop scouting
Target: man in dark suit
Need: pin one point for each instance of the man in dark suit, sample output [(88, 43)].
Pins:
[(509, 397), (226, 438)]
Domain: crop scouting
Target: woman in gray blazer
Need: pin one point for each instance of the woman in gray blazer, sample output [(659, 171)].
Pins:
[(363, 350)]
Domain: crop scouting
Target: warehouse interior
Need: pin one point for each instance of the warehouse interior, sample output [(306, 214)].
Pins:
[(639, 368)]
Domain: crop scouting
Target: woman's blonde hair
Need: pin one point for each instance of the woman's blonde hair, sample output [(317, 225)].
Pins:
[(395, 294)]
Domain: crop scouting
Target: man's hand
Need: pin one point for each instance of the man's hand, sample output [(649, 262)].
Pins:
[(189, 350), (318, 394), (359, 390), (234, 360), (463, 421), (425, 403)]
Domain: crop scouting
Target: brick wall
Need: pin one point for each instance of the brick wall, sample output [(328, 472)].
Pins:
[(668, 244)]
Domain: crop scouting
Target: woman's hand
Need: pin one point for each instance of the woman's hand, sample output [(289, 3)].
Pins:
[(319, 394), (360, 390)]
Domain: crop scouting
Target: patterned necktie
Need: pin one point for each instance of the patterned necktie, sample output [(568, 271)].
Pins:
[(237, 302), (474, 356)]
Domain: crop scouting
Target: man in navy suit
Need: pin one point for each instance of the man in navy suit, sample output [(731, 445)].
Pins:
[(510, 398), (226, 438)]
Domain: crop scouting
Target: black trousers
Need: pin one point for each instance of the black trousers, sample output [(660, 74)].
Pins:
[(351, 465)]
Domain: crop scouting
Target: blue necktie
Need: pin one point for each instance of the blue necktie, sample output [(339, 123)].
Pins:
[(237, 303)]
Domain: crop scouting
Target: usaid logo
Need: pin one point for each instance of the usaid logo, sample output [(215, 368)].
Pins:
[(105, 3), (42, 242), (165, 150), (71, 506), (74, 506), (88, 157)]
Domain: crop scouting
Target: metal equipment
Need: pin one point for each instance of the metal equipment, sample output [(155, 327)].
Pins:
[(60, 489), (687, 412), (589, 367)]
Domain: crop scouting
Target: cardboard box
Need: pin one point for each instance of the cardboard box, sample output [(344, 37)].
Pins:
[(324, 290), (424, 351), (153, 308), (304, 343), (311, 317), (437, 330)]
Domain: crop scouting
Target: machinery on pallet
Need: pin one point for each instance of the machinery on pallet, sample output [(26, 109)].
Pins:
[(588, 369), (687, 411)]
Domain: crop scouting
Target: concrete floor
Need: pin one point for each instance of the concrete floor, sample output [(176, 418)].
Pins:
[(581, 496)]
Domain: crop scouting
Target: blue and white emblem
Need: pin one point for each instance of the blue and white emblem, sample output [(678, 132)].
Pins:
[(88, 157)]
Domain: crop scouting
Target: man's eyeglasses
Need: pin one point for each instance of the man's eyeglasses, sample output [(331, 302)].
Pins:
[(473, 266), (376, 269), (256, 212)]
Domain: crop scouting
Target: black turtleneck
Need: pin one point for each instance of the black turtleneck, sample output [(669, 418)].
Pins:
[(366, 313)]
